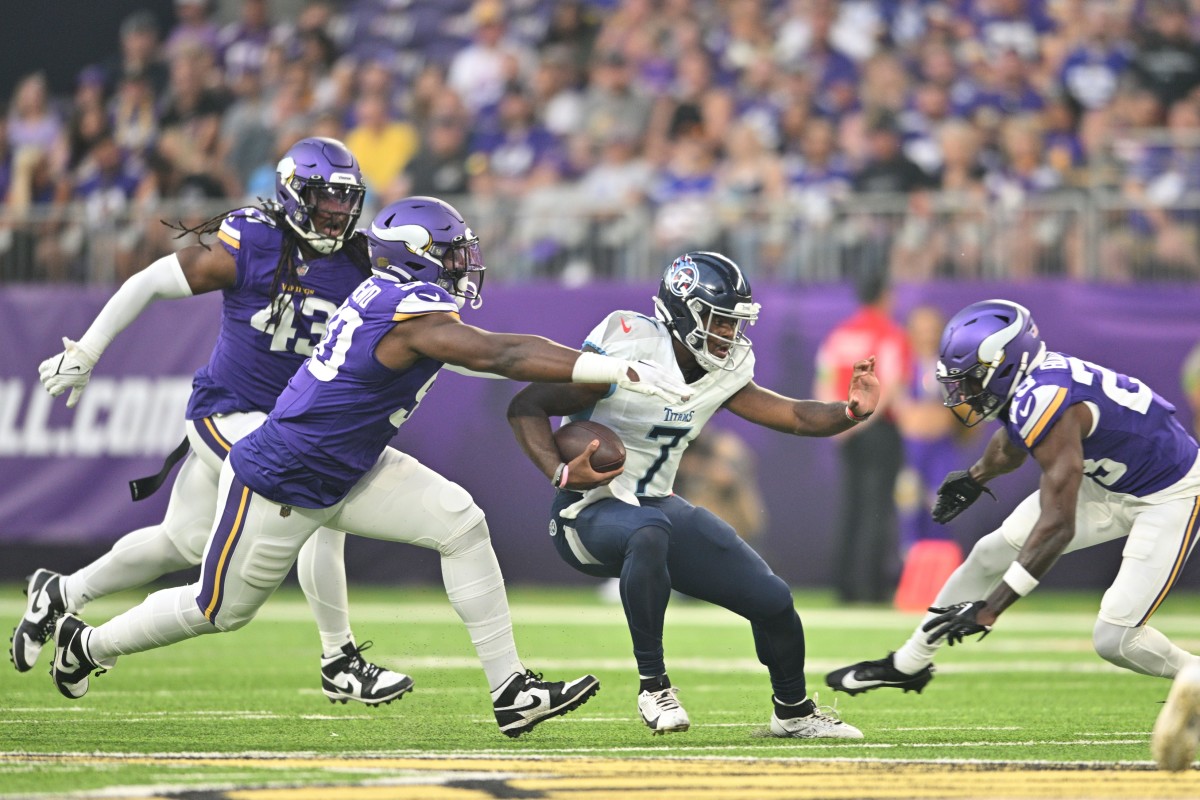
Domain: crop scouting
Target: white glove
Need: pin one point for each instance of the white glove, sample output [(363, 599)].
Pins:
[(70, 369), (656, 380)]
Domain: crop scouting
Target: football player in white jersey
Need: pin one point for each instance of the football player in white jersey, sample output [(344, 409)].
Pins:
[(1115, 463), (633, 527)]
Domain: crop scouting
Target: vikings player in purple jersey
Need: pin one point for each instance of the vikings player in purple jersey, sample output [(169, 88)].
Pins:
[(283, 270), (322, 459), (1115, 463)]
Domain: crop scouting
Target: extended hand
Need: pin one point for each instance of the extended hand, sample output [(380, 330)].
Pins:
[(956, 621), (653, 379), (864, 388), (957, 491), (70, 369)]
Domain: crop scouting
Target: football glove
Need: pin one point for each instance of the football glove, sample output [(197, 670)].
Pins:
[(655, 380), (957, 491), (954, 622), (70, 369)]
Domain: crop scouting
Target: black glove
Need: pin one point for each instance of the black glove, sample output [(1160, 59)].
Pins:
[(957, 492), (955, 622)]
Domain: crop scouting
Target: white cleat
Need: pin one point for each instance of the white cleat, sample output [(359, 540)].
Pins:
[(818, 723), (1177, 729), (661, 711)]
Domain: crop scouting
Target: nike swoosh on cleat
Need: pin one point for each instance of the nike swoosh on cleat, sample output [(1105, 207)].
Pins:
[(534, 702), (40, 604), (850, 682)]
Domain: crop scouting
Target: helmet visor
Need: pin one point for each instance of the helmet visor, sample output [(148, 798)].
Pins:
[(965, 395), (462, 268), (333, 208)]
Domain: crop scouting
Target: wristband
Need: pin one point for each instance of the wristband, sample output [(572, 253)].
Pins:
[(1019, 579), (596, 368), (560, 476), (850, 416)]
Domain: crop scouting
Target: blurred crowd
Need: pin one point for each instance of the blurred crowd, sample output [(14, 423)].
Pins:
[(577, 127)]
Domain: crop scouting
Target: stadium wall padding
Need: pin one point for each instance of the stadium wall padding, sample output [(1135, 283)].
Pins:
[(64, 492)]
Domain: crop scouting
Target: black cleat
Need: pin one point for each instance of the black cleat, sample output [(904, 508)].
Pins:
[(42, 610), (72, 663), (867, 675), (348, 676), (523, 701)]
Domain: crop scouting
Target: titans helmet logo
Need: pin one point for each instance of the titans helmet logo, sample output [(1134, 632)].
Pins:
[(682, 277)]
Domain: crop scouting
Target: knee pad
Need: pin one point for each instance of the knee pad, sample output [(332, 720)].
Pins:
[(466, 539), (1122, 646), (650, 542), (993, 553)]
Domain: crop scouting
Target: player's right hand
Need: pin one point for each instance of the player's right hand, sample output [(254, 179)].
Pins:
[(70, 369), (653, 379)]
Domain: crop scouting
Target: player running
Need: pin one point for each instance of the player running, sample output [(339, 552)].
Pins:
[(1115, 462), (283, 270), (634, 527), (322, 459)]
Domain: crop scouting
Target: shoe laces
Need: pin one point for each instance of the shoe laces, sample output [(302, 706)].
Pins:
[(826, 712), (360, 666), (664, 699), (532, 677)]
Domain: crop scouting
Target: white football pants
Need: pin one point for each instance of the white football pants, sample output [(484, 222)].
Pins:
[(254, 542), (178, 541)]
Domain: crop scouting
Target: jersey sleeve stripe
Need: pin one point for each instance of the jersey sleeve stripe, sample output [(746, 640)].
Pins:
[(1185, 549), (398, 317), (1047, 415), (229, 240), (216, 567)]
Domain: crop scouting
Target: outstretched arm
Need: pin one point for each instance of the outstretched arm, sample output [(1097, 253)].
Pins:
[(809, 417), (194, 270), (521, 357)]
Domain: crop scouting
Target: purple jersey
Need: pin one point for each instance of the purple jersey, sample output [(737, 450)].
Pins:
[(340, 410), (250, 364), (1136, 445)]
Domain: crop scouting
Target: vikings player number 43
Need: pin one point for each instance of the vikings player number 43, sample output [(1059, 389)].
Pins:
[(314, 315)]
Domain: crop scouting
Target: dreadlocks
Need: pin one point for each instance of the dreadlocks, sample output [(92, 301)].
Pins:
[(285, 268)]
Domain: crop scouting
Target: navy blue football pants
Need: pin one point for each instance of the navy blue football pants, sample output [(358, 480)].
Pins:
[(667, 543)]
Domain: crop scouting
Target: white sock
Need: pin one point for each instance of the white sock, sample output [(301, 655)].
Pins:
[(321, 568), (163, 618), (136, 559), (475, 588)]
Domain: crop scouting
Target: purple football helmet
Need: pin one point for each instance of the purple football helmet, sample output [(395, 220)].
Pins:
[(706, 303), (426, 239), (319, 185), (987, 349)]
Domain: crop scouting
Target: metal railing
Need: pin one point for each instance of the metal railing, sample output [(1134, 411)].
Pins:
[(1087, 235)]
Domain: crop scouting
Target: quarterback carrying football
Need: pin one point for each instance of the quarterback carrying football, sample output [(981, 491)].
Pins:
[(636, 529)]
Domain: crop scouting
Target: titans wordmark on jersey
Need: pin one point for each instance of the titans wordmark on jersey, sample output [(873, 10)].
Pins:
[(1136, 445), (656, 433)]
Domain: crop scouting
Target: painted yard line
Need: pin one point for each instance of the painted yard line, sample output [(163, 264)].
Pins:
[(345, 760)]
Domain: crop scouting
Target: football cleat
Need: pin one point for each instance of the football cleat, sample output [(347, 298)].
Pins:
[(1177, 729), (523, 701), (867, 675), (661, 711), (814, 723), (72, 662), (348, 676), (42, 610)]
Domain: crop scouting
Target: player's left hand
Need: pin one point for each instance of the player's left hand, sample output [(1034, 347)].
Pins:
[(70, 369), (955, 622), (864, 388)]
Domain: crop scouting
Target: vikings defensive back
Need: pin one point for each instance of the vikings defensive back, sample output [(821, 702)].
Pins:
[(1115, 462), (321, 458), (283, 270), (633, 527)]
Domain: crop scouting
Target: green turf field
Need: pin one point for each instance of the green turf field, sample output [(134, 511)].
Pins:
[(1030, 712)]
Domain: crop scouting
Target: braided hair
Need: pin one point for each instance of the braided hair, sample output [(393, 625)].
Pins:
[(285, 267)]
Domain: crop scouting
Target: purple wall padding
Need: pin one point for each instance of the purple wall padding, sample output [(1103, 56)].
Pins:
[(65, 472)]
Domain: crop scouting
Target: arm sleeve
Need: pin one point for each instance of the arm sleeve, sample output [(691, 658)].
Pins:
[(164, 279)]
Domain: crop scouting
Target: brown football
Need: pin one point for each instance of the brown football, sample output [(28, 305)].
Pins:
[(574, 437)]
